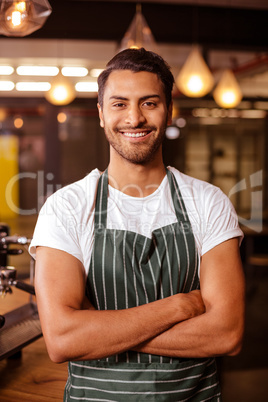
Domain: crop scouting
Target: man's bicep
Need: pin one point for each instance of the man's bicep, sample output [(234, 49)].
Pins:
[(59, 282), (222, 282), (60, 292)]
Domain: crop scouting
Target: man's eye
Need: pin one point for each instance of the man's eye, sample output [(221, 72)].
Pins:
[(149, 104), (118, 105)]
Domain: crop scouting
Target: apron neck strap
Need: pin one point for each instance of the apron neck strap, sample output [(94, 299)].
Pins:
[(177, 199), (102, 200)]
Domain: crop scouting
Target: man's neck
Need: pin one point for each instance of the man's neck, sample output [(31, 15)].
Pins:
[(136, 180)]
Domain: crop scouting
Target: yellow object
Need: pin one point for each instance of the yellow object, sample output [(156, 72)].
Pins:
[(62, 91), (3, 114), (227, 94), (16, 15), (9, 176), (21, 18), (195, 78)]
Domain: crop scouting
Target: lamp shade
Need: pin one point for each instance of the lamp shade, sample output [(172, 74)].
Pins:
[(195, 78), (61, 92), (227, 93), (138, 34), (21, 18)]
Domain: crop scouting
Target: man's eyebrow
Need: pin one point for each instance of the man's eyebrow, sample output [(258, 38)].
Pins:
[(149, 97), (117, 97)]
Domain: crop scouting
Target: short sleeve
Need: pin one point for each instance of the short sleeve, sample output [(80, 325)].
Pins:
[(56, 227), (221, 221)]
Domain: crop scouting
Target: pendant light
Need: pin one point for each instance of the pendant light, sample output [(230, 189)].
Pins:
[(21, 18), (227, 93), (195, 78), (138, 34), (61, 92)]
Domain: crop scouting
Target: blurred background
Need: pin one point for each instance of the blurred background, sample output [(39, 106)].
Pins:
[(50, 56)]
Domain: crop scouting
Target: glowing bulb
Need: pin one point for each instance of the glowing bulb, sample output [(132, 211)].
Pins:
[(21, 6), (16, 15), (138, 34), (61, 92), (16, 18), (227, 94), (195, 78), (195, 84), (21, 18), (62, 117), (18, 122), (228, 97)]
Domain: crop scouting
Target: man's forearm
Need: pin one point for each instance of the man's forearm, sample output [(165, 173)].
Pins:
[(201, 336), (219, 331), (112, 332)]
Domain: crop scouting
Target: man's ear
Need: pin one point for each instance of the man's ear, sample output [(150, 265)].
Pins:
[(170, 111), (100, 115)]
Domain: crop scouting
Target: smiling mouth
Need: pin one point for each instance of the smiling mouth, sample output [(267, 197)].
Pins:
[(136, 135)]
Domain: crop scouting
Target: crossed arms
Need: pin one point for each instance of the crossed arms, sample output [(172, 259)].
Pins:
[(202, 323)]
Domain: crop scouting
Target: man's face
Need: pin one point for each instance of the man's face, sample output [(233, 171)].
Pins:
[(134, 115)]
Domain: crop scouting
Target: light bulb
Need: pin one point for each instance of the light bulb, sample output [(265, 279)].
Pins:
[(195, 78), (228, 97), (227, 93), (61, 92), (21, 18), (195, 84), (16, 16), (138, 34), (62, 117), (18, 122)]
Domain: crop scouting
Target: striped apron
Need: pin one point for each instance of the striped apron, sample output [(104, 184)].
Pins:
[(128, 270)]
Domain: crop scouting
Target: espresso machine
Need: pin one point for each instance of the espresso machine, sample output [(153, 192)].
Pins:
[(21, 326)]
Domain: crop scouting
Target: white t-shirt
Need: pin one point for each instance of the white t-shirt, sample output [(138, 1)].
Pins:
[(66, 220)]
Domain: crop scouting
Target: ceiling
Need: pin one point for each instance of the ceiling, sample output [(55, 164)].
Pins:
[(231, 34), (213, 23)]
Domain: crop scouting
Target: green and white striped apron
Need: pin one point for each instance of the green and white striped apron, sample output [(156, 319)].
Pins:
[(127, 270)]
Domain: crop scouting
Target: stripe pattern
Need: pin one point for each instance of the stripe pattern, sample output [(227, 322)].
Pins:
[(169, 382), (128, 270)]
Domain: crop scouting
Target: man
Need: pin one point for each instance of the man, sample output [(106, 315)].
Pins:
[(120, 257)]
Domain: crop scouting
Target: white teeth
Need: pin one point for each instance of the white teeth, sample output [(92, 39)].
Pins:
[(135, 134)]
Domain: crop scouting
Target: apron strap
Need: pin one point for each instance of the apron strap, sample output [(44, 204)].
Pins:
[(177, 199), (101, 202)]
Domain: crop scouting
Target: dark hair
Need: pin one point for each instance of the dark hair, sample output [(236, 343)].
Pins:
[(138, 60)]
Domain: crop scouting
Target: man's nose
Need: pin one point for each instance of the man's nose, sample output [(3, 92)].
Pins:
[(134, 116)]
